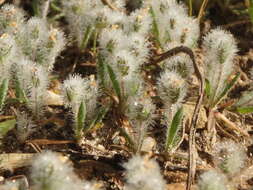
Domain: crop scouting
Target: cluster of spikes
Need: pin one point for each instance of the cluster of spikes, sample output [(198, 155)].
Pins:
[(123, 43)]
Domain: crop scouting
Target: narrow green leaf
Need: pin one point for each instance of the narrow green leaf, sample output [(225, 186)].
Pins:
[(155, 29), (19, 92), (86, 37), (251, 11), (173, 129), (81, 116), (128, 138), (99, 117), (6, 126), (55, 7), (36, 7), (3, 92), (101, 71), (227, 89), (207, 88), (115, 82), (244, 110)]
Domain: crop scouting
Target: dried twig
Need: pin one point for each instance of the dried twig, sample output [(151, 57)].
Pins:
[(192, 149)]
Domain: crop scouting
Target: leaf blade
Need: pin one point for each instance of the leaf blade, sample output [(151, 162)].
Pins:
[(174, 128), (227, 89), (99, 117), (6, 126), (81, 117), (244, 110), (115, 82), (3, 92)]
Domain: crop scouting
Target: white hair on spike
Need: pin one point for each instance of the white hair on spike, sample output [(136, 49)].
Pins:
[(11, 19), (229, 157), (219, 49), (143, 174), (212, 180)]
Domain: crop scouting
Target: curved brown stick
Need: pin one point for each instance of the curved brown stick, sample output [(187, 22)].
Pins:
[(192, 148)]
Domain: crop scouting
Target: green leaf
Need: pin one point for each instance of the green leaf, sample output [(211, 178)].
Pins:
[(173, 129), (6, 126), (227, 88), (115, 82), (3, 92), (99, 117), (101, 71), (81, 116), (36, 7), (86, 37), (207, 88), (155, 29), (128, 138), (19, 92), (244, 110), (251, 11)]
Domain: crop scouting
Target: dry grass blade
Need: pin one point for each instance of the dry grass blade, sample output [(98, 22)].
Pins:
[(14, 160), (48, 142), (230, 124)]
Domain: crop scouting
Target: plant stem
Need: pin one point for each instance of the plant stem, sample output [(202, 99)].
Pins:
[(190, 7), (202, 9)]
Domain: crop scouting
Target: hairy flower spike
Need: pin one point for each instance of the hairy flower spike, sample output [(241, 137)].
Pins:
[(220, 49), (25, 126), (81, 96), (8, 52), (138, 21), (140, 113), (40, 44), (77, 89), (143, 174), (52, 171), (33, 80), (181, 64), (229, 157), (11, 19), (85, 14), (172, 26), (212, 180), (171, 88)]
